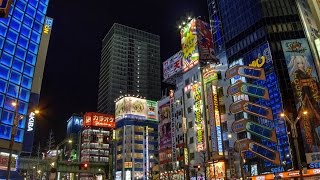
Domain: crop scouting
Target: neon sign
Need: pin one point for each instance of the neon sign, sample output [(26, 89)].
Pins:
[(217, 119), (47, 25), (198, 117), (31, 121)]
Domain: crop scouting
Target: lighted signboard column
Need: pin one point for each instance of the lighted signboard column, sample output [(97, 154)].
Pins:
[(200, 143)]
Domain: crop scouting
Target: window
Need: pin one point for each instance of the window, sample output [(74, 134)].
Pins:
[(191, 156), (189, 109), (190, 124), (191, 140), (188, 95)]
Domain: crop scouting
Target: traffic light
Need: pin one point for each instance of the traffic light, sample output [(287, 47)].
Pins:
[(84, 166)]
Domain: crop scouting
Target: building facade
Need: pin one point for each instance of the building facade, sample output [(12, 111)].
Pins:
[(24, 37), (96, 140), (130, 64), (262, 34), (136, 138)]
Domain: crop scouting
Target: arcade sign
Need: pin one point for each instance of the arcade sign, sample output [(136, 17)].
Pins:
[(249, 89), (254, 128), (99, 120), (251, 108), (246, 71)]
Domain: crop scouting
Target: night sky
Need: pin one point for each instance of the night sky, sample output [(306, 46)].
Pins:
[(70, 82)]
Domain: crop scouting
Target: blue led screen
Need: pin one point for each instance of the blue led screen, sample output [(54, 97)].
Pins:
[(20, 35), (275, 102)]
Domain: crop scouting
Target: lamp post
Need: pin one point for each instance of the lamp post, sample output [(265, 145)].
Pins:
[(57, 153), (16, 120), (293, 126)]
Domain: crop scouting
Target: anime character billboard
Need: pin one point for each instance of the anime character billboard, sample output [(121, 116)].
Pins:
[(305, 84)]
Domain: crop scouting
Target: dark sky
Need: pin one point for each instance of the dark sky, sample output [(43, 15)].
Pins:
[(71, 73)]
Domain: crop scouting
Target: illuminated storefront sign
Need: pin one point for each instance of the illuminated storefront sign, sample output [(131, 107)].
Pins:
[(133, 107), (217, 119), (289, 175), (99, 120), (186, 157), (305, 84), (217, 170), (147, 150), (196, 88), (128, 175), (210, 104), (31, 120), (48, 25)]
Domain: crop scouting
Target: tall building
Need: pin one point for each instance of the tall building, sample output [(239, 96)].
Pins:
[(273, 36), (136, 138), (130, 64), (24, 38), (194, 118)]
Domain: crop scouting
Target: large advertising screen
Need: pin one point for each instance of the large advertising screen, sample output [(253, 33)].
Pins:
[(99, 120), (205, 43), (133, 107), (196, 43), (173, 65), (165, 126), (189, 45), (305, 83)]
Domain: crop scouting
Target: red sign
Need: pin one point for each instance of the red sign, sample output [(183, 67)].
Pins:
[(99, 120)]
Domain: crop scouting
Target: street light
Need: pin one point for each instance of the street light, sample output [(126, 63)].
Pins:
[(16, 120), (293, 126)]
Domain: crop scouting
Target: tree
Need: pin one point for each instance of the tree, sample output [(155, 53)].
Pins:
[(50, 141)]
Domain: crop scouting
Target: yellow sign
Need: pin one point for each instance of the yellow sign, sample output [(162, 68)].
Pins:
[(186, 158), (198, 116), (259, 62)]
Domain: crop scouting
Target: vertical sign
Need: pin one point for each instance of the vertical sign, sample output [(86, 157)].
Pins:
[(147, 152), (173, 128), (196, 88), (217, 119), (211, 117), (305, 83)]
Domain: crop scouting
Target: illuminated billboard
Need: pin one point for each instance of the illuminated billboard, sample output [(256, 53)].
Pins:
[(200, 142), (165, 126), (4, 8), (248, 89), (305, 84), (196, 44), (172, 66), (205, 42), (99, 120), (189, 45), (136, 108)]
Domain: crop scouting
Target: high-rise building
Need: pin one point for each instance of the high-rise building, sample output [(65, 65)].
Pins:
[(271, 35), (24, 38), (130, 64), (136, 138)]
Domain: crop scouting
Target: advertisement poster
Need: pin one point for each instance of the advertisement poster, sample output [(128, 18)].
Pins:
[(173, 65), (305, 84), (189, 45), (133, 107), (165, 126), (196, 89), (205, 43), (99, 120)]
